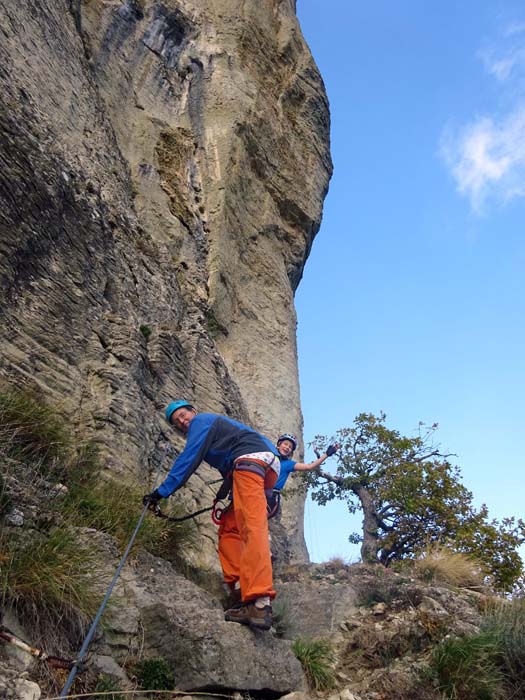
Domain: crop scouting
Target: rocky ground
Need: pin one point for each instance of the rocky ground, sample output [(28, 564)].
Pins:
[(382, 625)]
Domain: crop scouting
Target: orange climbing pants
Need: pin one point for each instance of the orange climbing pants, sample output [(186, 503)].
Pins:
[(244, 549)]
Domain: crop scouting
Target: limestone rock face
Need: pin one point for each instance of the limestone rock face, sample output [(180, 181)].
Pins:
[(163, 614), (163, 168)]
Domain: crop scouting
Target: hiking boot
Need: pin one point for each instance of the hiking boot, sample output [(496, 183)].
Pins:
[(234, 598), (249, 614)]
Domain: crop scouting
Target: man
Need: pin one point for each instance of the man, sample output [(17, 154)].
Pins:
[(286, 446), (244, 551)]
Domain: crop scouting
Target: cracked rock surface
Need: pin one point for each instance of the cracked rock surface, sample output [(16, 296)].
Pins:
[(162, 174)]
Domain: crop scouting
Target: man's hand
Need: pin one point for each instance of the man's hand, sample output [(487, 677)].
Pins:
[(332, 449), (152, 499)]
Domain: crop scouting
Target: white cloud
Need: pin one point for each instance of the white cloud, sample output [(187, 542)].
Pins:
[(487, 158), (502, 64)]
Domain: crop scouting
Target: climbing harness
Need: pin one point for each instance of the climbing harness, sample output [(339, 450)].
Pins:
[(273, 503), (218, 508), (54, 661)]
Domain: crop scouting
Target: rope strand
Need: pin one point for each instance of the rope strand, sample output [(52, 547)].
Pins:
[(91, 632), (174, 693)]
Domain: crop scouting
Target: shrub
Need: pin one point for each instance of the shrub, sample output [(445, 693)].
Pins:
[(50, 583), (154, 674), (467, 668), (317, 659)]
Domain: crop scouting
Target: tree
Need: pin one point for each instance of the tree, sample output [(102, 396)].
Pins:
[(411, 496)]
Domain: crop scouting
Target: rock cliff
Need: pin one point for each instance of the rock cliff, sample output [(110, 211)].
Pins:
[(163, 169)]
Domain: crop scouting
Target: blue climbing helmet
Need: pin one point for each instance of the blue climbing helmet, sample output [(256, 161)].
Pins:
[(173, 406), (287, 436)]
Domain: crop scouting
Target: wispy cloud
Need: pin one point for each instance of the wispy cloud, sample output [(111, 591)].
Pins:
[(502, 64), (486, 157), (514, 28)]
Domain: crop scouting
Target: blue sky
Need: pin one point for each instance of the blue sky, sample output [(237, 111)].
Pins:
[(413, 299)]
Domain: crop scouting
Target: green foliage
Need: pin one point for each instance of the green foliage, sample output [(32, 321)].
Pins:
[(105, 684), (114, 508), (146, 331), (467, 668), (30, 430), (213, 326), (5, 501), (379, 592), (154, 674), (489, 665), (506, 621), (50, 575), (377, 584), (495, 546), (281, 617), (412, 497), (50, 581), (317, 658)]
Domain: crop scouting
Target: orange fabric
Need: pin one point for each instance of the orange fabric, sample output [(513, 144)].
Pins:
[(244, 550)]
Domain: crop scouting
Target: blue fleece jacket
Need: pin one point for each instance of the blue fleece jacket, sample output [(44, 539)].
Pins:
[(217, 440)]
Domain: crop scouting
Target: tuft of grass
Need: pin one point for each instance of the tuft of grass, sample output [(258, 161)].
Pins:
[(336, 563), (317, 658), (444, 565), (447, 566), (506, 621), (5, 501), (213, 327), (281, 617), (467, 668), (154, 674), (50, 582), (114, 508), (32, 431), (105, 684), (50, 577)]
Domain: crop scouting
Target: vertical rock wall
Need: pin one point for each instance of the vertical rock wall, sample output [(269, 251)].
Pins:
[(162, 175)]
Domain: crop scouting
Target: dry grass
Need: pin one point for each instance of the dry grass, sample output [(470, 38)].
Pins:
[(338, 562), (114, 508), (32, 431), (50, 582), (446, 566), (48, 574), (506, 620)]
